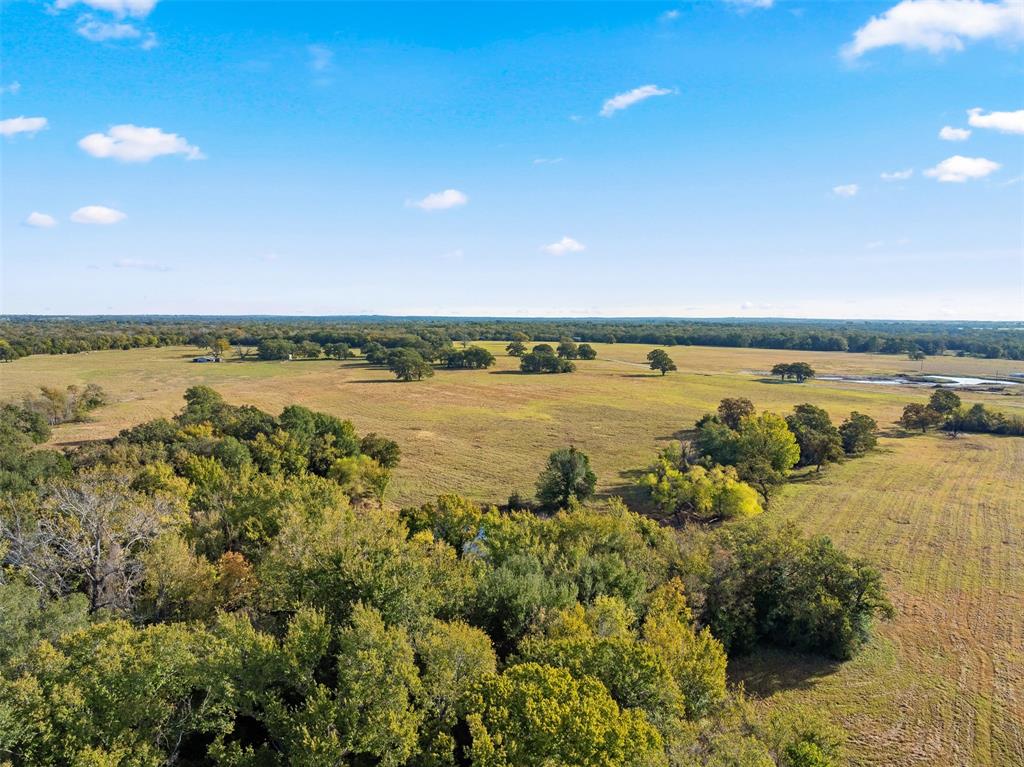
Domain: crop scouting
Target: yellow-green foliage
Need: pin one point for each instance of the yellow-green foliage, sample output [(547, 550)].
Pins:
[(533, 715), (709, 494)]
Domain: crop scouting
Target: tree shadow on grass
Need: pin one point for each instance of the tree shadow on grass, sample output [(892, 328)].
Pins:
[(897, 433), (634, 496), (378, 380), (769, 670), (511, 373), (641, 375)]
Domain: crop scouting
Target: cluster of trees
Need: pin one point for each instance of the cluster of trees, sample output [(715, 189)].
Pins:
[(470, 358), (945, 410), (223, 589), (798, 371), (22, 335), (764, 447), (67, 405), (543, 359)]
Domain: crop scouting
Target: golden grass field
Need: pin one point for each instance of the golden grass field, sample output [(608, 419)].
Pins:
[(943, 684)]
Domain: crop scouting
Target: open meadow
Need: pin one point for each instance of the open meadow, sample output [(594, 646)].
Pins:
[(942, 684)]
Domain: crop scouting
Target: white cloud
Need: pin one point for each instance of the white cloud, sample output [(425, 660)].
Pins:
[(563, 246), (135, 263), (629, 98), (14, 125), (98, 31), (97, 214), (138, 9), (938, 25), (1004, 122), (959, 169), (671, 15), (150, 42), (949, 133), (320, 57), (131, 143), (752, 3), (449, 198), (453, 255), (13, 89), (898, 175), (40, 220), (548, 160), (846, 190)]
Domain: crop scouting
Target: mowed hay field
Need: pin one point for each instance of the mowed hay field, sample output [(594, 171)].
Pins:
[(943, 684)]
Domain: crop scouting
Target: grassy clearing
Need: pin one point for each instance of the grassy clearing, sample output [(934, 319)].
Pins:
[(941, 685)]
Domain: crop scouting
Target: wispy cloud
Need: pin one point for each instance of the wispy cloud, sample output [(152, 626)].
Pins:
[(670, 15), (958, 169), (97, 214), (132, 143), (937, 25), (563, 246), (112, 20), (949, 133), (138, 9), (548, 160), (898, 175), (449, 198), (629, 98), (98, 31), (15, 125), (1004, 122), (136, 263), (748, 4), (40, 220), (846, 190), (320, 57), (11, 89)]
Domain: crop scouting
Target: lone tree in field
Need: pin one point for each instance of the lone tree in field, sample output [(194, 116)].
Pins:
[(586, 352), (219, 347), (408, 365), (566, 478), (659, 360), (918, 416), (516, 349), (800, 371), (944, 401), (858, 433), (732, 411)]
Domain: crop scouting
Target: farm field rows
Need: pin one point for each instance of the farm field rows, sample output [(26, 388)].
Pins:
[(940, 685)]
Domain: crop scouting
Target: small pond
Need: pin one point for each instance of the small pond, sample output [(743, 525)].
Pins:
[(953, 382)]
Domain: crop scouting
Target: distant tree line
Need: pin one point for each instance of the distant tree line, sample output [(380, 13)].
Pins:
[(24, 335)]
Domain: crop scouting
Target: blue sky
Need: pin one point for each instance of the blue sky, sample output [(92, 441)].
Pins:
[(413, 158)]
